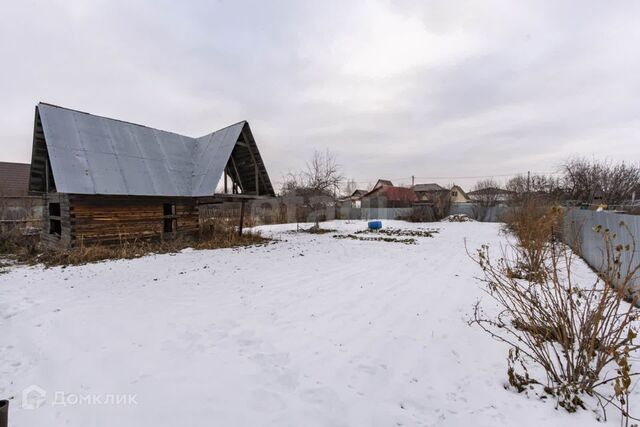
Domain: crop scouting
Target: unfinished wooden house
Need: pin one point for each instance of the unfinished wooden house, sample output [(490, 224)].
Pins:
[(106, 181)]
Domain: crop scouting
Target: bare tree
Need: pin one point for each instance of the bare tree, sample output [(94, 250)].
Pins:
[(487, 192), (611, 183), (323, 173), (534, 186), (317, 186), (349, 187)]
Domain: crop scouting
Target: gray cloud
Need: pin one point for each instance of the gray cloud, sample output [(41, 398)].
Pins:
[(431, 89)]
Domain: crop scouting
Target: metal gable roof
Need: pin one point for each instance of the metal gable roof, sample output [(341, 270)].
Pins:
[(97, 155)]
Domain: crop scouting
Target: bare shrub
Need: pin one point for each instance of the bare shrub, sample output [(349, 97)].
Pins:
[(441, 204), (420, 214), (9, 241), (533, 225), (577, 338), (15, 242)]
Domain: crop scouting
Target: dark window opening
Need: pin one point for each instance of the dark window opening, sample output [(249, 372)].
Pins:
[(169, 209), (169, 217), (55, 227), (54, 209)]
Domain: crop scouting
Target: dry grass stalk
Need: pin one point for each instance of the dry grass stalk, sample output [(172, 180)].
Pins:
[(221, 234)]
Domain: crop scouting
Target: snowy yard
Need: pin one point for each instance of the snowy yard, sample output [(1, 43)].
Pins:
[(308, 331)]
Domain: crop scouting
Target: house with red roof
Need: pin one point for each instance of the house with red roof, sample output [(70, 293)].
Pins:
[(389, 196)]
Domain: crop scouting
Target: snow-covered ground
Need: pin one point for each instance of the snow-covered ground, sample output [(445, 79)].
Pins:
[(308, 331)]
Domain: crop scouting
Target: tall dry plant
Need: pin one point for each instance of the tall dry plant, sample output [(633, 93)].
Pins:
[(576, 337), (534, 226)]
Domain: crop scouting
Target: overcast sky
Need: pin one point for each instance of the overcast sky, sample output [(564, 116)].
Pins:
[(437, 89)]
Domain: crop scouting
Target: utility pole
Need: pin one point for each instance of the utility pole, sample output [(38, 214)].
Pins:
[(528, 181)]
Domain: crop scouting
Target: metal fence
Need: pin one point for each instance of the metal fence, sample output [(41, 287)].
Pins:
[(479, 213), (373, 213), (579, 231)]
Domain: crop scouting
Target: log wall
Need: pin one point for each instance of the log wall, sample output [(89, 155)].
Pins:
[(91, 219)]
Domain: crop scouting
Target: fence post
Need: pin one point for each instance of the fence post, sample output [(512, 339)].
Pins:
[(241, 220)]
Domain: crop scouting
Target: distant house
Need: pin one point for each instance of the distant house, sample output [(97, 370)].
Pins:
[(458, 195), (17, 208), (356, 198), (385, 196), (491, 195), (383, 183), (352, 201), (105, 180), (428, 192), (14, 179)]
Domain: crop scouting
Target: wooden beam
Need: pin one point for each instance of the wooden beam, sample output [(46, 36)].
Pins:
[(239, 181), (257, 181), (46, 176), (255, 162)]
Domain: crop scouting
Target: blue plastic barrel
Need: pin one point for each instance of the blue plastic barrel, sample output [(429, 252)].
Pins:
[(375, 225)]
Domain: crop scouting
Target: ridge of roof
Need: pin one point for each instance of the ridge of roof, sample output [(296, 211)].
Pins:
[(137, 124)]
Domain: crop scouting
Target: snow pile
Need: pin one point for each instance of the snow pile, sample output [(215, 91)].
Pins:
[(312, 331)]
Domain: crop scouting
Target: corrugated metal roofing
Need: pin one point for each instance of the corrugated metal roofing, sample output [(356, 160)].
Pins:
[(97, 155), (428, 187), (14, 179)]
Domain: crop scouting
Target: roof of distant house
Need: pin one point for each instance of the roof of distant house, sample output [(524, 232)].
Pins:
[(489, 191), (396, 194), (383, 183), (14, 179), (428, 188)]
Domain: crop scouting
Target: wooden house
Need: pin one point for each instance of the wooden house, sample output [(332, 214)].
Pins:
[(458, 195), (106, 181)]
